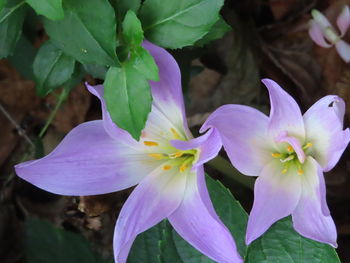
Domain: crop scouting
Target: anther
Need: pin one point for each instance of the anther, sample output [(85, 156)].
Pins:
[(290, 149), (308, 145), (150, 143), (276, 155), (176, 155), (157, 156), (166, 167), (300, 172), (183, 168), (284, 171)]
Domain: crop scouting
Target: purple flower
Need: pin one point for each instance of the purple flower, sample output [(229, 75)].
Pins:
[(97, 157), (289, 152), (323, 33)]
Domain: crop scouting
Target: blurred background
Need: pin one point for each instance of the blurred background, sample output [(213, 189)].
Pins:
[(269, 39)]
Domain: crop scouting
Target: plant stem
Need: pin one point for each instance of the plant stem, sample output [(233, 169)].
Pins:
[(225, 167), (61, 99)]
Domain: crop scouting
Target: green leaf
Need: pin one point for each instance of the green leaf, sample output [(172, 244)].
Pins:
[(96, 71), (23, 57), (2, 4), (52, 9), (140, 57), (125, 5), (187, 253), (143, 62), (87, 32), (175, 24), (128, 98), (282, 244), (218, 30), (51, 68), (168, 251), (232, 215), (11, 21), (132, 30), (146, 248), (47, 243), (230, 212)]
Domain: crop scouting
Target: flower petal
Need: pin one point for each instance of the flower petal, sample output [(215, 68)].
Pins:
[(320, 19), (343, 49), (208, 144), (308, 217), (275, 196), (167, 92), (87, 162), (343, 20), (285, 114), (316, 34), (155, 198), (196, 225), (243, 132), (111, 128), (324, 129)]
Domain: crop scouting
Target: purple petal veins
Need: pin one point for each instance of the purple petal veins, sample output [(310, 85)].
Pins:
[(167, 164), (289, 152)]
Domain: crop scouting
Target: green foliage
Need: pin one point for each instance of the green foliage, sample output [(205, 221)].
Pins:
[(123, 6), (132, 30), (2, 4), (23, 57), (127, 90), (147, 248), (145, 64), (140, 57), (87, 32), (128, 98), (96, 71), (218, 30), (282, 244), (51, 68), (52, 9), (11, 21), (46, 243), (175, 24)]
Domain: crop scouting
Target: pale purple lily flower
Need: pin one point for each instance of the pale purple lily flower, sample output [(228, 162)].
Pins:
[(289, 152), (323, 33), (97, 157)]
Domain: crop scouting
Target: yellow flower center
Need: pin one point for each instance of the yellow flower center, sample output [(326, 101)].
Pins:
[(172, 157), (289, 158)]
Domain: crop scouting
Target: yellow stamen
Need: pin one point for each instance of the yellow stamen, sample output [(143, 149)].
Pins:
[(175, 133), (284, 171), (308, 145), (290, 149), (276, 155), (150, 143), (300, 172), (183, 167), (178, 154), (157, 156), (166, 167)]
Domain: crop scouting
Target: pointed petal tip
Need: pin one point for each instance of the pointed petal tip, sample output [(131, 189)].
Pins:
[(343, 20), (320, 19), (343, 49)]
